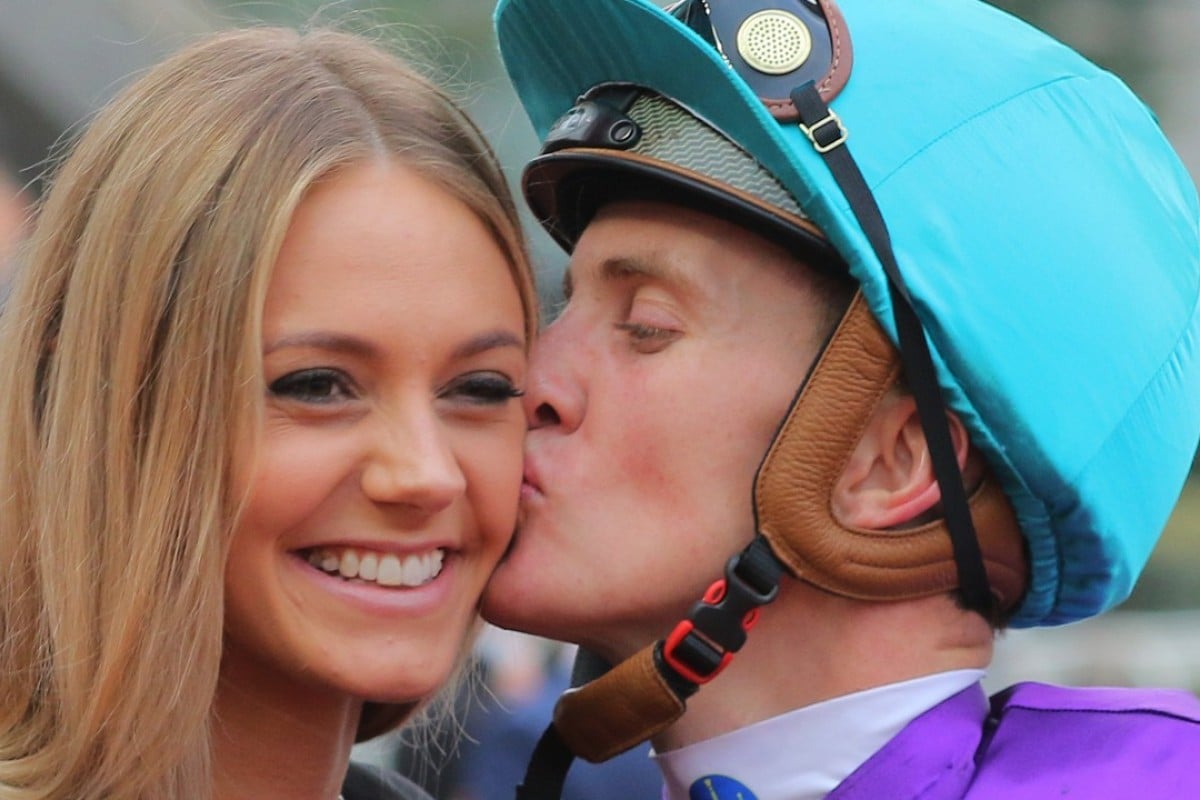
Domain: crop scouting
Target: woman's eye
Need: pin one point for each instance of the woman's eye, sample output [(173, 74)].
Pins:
[(647, 338), (483, 388), (313, 386)]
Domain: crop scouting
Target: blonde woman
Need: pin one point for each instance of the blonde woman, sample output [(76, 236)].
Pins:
[(261, 442)]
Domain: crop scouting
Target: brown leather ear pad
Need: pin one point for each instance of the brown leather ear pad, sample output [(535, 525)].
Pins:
[(625, 706), (795, 484)]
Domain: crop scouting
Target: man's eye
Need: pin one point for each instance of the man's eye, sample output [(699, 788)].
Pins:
[(313, 386), (482, 388), (647, 338)]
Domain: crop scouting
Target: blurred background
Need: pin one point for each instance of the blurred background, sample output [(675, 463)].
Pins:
[(61, 59)]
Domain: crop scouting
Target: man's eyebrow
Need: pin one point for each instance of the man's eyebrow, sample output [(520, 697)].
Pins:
[(658, 269), (634, 268)]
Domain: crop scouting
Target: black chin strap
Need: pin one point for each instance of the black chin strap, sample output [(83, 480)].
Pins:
[(551, 760), (547, 770), (824, 129)]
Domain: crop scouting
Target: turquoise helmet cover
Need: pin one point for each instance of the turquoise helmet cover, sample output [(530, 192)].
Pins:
[(1047, 232)]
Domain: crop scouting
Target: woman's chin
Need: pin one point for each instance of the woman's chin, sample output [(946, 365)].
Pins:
[(391, 682)]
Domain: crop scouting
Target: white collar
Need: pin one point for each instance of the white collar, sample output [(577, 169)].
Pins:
[(804, 754)]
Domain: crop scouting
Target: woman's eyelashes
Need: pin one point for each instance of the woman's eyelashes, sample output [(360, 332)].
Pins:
[(323, 386), (482, 389), (318, 385)]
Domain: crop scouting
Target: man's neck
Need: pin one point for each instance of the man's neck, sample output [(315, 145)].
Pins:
[(810, 646)]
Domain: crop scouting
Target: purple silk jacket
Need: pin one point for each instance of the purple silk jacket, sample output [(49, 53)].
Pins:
[(1040, 741)]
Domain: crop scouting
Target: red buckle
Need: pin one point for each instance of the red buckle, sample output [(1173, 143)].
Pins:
[(678, 635), (714, 595), (702, 645)]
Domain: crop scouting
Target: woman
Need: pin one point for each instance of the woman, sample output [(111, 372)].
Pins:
[(261, 442)]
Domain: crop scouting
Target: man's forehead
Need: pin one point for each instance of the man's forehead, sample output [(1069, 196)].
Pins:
[(657, 265), (643, 240), (690, 251)]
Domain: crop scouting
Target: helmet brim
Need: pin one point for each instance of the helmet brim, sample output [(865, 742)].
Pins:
[(565, 189)]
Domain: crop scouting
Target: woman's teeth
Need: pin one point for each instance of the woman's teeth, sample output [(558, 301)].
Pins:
[(385, 569)]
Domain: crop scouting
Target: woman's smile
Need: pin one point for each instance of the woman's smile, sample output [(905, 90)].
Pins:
[(383, 486)]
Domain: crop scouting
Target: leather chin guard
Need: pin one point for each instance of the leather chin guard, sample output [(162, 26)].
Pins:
[(628, 705), (796, 480), (634, 701)]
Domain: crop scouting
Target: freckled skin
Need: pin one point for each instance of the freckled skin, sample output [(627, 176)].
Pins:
[(652, 399)]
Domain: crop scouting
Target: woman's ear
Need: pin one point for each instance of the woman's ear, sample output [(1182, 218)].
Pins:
[(888, 481)]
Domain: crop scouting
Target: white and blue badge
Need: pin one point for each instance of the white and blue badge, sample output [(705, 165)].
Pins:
[(719, 787)]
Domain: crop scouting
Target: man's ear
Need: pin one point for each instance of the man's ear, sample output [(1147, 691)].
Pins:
[(889, 478)]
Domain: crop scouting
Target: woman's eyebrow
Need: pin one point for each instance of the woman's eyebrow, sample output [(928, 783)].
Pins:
[(352, 345), (323, 340), (489, 340)]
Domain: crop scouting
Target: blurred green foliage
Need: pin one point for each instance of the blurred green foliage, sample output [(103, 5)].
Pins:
[(1113, 33), (447, 34)]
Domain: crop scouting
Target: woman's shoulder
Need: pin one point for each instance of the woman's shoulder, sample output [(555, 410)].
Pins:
[(368, 782)]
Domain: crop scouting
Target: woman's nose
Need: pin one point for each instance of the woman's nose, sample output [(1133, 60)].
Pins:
[(413, 464)]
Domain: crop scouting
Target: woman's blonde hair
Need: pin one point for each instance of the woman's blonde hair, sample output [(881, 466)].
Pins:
[(131, 357)]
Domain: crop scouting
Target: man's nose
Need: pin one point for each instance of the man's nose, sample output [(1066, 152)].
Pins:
[(554, 392), (411, 463)]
